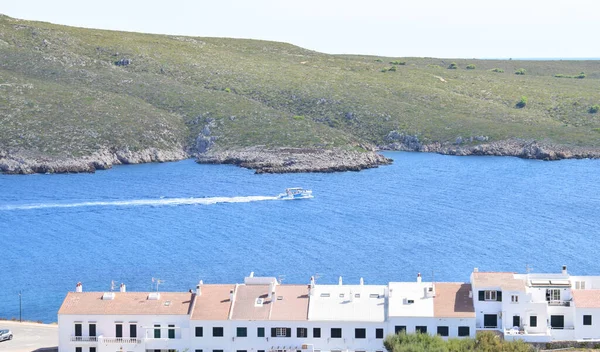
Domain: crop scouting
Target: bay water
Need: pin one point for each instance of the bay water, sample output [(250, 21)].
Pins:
[(182, 222)]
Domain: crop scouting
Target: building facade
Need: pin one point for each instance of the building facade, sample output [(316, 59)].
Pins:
[(262, 315)]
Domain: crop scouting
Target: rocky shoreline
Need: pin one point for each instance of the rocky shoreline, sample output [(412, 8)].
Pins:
[(287, 160), (23, 162), (292, 160), (512, 147)]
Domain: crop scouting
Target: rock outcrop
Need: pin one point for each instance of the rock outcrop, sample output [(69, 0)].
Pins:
[(511, 147), (22, 162), (289, 160)]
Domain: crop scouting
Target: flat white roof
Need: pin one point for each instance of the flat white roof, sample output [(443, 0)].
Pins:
[(407, 299), (347, 303)]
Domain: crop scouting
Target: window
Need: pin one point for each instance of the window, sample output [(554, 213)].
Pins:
[(399, 328), (490, 295), (587, 320), (260, 351), (118, 330), (379, 333), (533, 321), (514, 298), (241, 332), (197, 350), (92, 329), (516, 320), (281, 332), (360, 333), (421, 329), (442, 330), (217, 331), (580, 285), (133, 330), (92, 349), (336, 333), (78, 329), (217, 350), (171, 331), (301, 332), (553, 294), (241, 351), (464, 331), (157, 331), (260, 332), (557, 321), (317, 333), (199, 331), (410, 301), (78, 349)]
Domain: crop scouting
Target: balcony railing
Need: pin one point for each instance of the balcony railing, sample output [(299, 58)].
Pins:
[(84, 338), (559, 303), (120, 340)]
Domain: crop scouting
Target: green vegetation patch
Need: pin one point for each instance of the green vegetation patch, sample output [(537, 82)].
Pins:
[(485, 342)]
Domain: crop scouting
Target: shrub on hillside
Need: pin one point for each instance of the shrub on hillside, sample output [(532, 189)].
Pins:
[(378, 60), (594, 109), (299, 117), (227, 90), (402, 63), (498, 70), (486, 341), (580, 75), (434, 66), (453, 66), (522, 102), (520, 71), (470, 67)]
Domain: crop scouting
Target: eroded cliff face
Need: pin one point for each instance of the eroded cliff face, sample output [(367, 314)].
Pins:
[(288, 160), (26, 162), (512, 147)]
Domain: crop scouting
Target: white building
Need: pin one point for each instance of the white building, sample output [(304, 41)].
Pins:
[(537, 307), (261, 315)]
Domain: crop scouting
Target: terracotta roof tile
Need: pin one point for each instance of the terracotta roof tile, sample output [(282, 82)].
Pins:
[(293, 306), (452, 300), (213, 303), (506, 281), (586, 298), (126, 303), (245, 307)]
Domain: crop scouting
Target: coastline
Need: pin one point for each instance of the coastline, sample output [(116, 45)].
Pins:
[(287, 160)]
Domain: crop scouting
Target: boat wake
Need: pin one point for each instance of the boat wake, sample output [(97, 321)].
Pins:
[(141, 202)]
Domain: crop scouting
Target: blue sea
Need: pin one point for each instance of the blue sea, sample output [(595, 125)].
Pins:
[(182, 222)]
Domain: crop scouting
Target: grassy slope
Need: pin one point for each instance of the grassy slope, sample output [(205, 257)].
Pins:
[(60, 93)]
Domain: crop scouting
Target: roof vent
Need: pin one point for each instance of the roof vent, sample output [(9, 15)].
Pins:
[(167, 303), (154, 296), (259, 302), (280, 298), (324, 294), (108, 296)]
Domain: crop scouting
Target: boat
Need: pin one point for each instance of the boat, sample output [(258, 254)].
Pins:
[(296, 193)]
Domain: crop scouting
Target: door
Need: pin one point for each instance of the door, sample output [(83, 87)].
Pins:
[(490, 321), (516, 321), (557, 321)]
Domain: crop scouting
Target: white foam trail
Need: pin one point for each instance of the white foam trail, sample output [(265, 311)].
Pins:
[(141, 202)]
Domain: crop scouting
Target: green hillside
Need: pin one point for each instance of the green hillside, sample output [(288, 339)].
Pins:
[(68, 92)]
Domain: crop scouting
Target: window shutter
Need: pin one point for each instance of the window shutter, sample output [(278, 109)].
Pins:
[(288, 332), (482, 295), (499, 296), (273, 332)]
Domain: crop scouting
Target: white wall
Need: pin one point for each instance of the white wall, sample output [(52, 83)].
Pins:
[(105, 327), (587, 331)]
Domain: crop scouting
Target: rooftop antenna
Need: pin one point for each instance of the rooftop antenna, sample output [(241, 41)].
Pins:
[(157, 282), (316, 276), (112, 285), (280, 278), (528, 269)]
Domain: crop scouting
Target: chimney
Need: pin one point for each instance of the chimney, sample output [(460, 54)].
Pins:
[(362, 282), (123, 288), (475, 270), (271, 290), (419, 277), (231, 295), (252, 274), (564, 270), (199, 288), (79, 287), (340, 281), (312, 282)]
